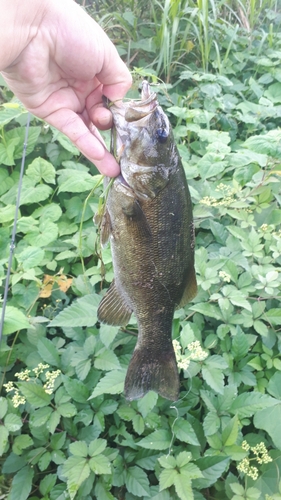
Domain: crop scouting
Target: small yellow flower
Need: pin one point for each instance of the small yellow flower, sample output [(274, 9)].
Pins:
[(225, 276), (24, 375), (9, 386)]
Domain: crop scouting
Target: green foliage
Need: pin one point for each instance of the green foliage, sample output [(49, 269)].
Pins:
[(66, 430)]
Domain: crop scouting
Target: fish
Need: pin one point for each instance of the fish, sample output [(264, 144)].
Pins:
[(148, 221)]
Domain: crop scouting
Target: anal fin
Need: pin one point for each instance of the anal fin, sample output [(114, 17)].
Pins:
[(113, 309)]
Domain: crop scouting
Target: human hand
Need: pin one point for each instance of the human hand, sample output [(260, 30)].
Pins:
[(64, 66)]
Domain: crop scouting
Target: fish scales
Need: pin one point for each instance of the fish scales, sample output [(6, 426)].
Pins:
[(149, 222)]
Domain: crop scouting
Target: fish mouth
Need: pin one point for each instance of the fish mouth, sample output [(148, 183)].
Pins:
[(133, 111)]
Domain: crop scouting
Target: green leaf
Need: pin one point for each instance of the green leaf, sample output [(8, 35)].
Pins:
[(7, 213), (40, 417), (214, 377), (75, 181), (230, 432), (207, 310), (34, 194), (3, 407), (12, 422), (100, 464), (111, 383), (106, 360), (169, 462), (48, 351), (137, 482), (76, 389), (31, 257), (42, 235), (57, 440), (138, 424), (183, 487), (273, 316), (22, 484), (44, 461), (65, 142), (76, 470), (14, 320), (211, 423), (4, 435), (147, 403), (47, 484), (183, 458), (108, 334), (184, 432), (212, 468), (274, 386), (67, 410), (247, 404), (83, 312), (9, 111), (240, 345), (34, 394), (96, 447), (79, 448), (40, 169), (269, 420), (167, 478), (102, 493), (157, 440)]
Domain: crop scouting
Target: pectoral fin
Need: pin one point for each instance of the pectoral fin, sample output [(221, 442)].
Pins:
[(105, 228), (190, 290), (113, 309)]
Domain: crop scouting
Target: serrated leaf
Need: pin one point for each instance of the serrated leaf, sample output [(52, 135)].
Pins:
[(34, 394), (40, 169), (79, 448), (106, 360), (167, 478), (47, 484), (34, 194), (14, 320), (269, 420), (112, 383), (22, 484), (9, 113), (12, 422), (40, 417), (108, 334), (7, 213), (4, 435), (168, 461), (48, 351), (97, 446), (147, 403), (183, 458), (183, 487), (102, 493), (67, 410), (214, 378), (83, 312), (76, 389), (31, 257), (157, 440), (240, 345), (230, 432), (212, 468), (247, 404), (184, 432), (100, 464), (3, 407), (44, 461), (137, 482), (273, 316), (211, 423), (76, 470), (138, 424), (75, 181), (207, 310)]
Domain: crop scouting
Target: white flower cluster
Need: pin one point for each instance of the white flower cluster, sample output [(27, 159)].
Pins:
[(260, 455), (195, 353), (27, 375)]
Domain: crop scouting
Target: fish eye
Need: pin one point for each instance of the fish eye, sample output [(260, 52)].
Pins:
[(162, 135)]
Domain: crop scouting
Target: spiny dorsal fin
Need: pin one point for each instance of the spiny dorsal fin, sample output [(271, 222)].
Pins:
[(113, 309)]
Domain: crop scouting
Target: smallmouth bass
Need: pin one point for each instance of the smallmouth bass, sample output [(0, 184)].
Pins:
[(148, 219)]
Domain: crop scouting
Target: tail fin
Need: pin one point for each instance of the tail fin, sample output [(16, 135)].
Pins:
[(150, 370)]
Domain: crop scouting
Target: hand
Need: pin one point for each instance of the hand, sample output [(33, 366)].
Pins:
[(64, 66)]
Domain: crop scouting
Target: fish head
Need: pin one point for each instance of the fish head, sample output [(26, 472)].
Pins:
[(144, 143)]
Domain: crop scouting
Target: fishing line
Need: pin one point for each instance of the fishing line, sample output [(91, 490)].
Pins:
[(13, 237)]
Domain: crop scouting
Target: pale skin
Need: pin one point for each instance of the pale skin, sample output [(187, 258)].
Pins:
[(59, 63)]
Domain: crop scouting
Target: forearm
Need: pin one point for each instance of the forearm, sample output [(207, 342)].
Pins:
[(19, 22)]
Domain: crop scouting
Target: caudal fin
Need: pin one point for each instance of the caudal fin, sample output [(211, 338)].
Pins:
[(152, 371)]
